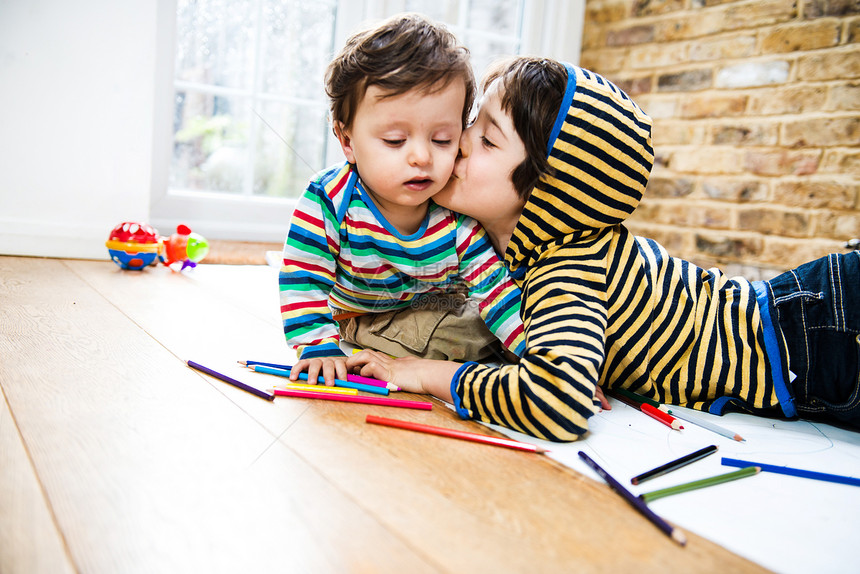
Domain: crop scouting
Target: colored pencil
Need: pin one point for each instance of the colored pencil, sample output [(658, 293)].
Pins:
[(351, 378), (661, 416), (642, 399), (675, 464), (794, 471), (705, 482), (674, 533), (259, 392), (381, 401), (708, 425), (321, 380), (451, 433), (318, 389)]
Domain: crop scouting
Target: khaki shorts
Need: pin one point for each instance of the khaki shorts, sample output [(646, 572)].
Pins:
[(445, 327)]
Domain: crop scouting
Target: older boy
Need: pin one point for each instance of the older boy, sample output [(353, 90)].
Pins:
[(367, 242)]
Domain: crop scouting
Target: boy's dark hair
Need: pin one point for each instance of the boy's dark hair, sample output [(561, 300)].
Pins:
[(533, 89), (404, 52)]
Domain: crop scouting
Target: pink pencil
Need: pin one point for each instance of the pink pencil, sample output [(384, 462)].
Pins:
[(381, 401), (352, 378)]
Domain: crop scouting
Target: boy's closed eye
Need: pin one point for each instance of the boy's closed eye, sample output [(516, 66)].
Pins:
[(486, 142)]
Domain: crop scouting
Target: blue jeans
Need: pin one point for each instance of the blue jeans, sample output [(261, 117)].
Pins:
[(817, 307)]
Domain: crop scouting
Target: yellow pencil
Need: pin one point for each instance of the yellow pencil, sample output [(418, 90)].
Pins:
[(318, 389)]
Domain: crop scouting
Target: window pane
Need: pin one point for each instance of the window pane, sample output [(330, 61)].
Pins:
[(442, 10), (210, 146), (297, 41), (215, 42), (290, 148), (496, 16), (485, 51)]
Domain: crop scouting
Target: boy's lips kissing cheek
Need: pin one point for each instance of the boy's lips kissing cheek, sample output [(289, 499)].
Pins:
[(419, 183)]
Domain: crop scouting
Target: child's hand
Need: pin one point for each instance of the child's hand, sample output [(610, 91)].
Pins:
[(411, 374), (604, 403), (330, 368)]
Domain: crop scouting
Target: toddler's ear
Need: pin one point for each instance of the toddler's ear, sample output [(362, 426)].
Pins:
[(345, 142)]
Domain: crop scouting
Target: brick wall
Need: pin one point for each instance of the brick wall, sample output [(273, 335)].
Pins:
[(756, 108)]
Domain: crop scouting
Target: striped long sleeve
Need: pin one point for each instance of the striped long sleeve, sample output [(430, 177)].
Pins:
[(604, 308), (341, 252)]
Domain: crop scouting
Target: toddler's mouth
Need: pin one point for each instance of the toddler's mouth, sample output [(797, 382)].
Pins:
[(419, 183)]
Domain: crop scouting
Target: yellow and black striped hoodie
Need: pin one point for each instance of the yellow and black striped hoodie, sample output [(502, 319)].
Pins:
[(601, 306)]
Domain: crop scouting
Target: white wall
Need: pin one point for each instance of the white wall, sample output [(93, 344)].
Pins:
[(76, 122)]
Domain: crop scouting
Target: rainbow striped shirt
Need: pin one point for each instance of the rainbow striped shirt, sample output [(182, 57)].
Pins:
[(341, 252)]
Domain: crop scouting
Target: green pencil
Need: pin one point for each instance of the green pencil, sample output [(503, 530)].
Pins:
[(719, 479)]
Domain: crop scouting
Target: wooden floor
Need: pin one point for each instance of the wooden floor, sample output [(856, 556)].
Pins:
[(116, 457)]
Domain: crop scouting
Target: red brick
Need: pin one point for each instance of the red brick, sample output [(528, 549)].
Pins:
[(634, 86), (654, 7), (689, 80), (664, 187), (821, 8), (787, 100), (657, 56), (816, 194), (822, 132), (714, 104), (841, 225), (739, 191), (606, 12), (668, 132), (745, 133), (843, 162), (779, 162), (792, 253), (844, 96), (712, 217), (688, 26), (629, 36), (830, 65), (769, 221), (734, 247), (722, 47), (797, 37), (719, 160), (758, 14)]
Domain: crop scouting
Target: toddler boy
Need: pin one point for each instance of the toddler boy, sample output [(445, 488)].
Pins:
[(369, 258)]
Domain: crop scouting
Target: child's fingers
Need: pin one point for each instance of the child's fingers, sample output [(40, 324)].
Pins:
[(340, 369)]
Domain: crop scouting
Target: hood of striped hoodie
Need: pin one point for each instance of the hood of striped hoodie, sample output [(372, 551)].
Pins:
[(601, 156)]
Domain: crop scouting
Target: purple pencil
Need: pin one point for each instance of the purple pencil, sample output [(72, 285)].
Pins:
[(352, 378), (259, 392)]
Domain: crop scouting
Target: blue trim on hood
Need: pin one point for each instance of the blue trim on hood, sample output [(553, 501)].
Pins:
[(569, 91)]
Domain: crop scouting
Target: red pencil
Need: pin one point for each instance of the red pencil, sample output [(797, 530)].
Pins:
[(451, 433), (382, 401), (661, 416)]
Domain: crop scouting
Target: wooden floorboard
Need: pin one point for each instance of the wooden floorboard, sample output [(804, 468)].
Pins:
[(29, 540), (147, 465)]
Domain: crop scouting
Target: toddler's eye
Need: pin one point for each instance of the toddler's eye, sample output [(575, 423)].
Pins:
[(442, 142), (393, 143), (486, 142)]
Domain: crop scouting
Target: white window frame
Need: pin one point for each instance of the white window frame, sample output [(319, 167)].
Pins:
[(551, 28)]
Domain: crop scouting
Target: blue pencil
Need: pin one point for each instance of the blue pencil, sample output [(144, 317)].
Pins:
[(794, 471), (337, 382), (635, 502)]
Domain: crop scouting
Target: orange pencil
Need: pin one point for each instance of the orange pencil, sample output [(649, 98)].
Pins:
[(661, 416), (451, 433)]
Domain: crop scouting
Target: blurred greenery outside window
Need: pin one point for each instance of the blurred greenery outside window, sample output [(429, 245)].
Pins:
[(250, 115)]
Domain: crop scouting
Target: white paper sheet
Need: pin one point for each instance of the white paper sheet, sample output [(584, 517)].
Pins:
[(785, 523)]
